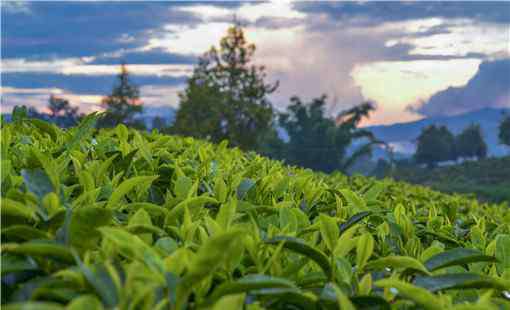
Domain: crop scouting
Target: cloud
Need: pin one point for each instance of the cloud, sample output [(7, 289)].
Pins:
[(74, 29), (38, 98), (98, 84), (489, 87), (16, 7), (374, 13)]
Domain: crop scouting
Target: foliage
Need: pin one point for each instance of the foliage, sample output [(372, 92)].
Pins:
[(488, 179), (121, 219), (470, 143), (61, 111), (123, 104), (435, 144), (226, 97), (504, 131), (319, 142)]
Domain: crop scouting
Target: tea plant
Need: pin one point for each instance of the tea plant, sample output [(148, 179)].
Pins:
[(122, 219)]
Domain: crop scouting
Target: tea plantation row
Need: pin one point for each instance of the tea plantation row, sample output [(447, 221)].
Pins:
[(121, 219)]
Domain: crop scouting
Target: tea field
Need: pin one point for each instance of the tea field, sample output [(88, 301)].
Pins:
[(122, 219)]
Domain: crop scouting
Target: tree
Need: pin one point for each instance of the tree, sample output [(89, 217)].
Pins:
[(435, 144), (226, 96), (62, 113), (470, 143), (504, 131), (123, 104), (319, 142), (158, 123)]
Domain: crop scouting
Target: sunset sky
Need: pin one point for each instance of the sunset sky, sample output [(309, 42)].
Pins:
[(413, 59)]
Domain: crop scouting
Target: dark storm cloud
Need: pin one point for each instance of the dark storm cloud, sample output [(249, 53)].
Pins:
[(489, 87), (373, 13), (84, 84), (76, 29)]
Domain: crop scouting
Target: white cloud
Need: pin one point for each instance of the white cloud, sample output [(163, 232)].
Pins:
[(248, 11), (154, 95), (38, 98), (79, 66), (16, 7)]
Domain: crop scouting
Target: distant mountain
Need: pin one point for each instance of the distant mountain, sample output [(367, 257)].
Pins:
[(402, 135)]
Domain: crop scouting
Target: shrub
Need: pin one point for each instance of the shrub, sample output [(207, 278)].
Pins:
[(130, 220)]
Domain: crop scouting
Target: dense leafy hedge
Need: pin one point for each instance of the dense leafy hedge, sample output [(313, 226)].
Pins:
[(130, 220)]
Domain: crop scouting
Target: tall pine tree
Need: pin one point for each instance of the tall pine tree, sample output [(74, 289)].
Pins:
[(123, 104), (226, 97)]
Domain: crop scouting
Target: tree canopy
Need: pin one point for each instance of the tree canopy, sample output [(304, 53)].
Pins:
[(435, 144), (227, 95), (470, 143), (123, 104), (319, 142), (61, 111), (504, 131)]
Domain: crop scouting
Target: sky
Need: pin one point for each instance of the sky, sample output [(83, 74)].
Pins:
[(412, 59)]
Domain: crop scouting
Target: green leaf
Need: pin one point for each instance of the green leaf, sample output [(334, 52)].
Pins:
[(503, 252), (37, 182), (401, 262), (244, 187), (226, 214), (364, 249), (329, 231), (371, 194), (16, 263), (83, 226), (417, 294), (141, 219), (250, 283), (85, 302), (128, 244), (370, 302), (287, 219), (220, 189), (182, 186), (127, 186), (300, 246), (230, 302), (343, 301), (40, 250), (17, 209), (210, 256), (24, 233), (101, 280), (460, 281), (457, 256), (353, 220), (33, 305), (82, 131), (288, 296), (353, 199)]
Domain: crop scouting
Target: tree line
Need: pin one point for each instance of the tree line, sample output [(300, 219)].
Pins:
[(227, 98)]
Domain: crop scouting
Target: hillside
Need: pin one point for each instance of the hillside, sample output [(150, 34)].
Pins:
[(402, 135), (487, 179), (122, 219)]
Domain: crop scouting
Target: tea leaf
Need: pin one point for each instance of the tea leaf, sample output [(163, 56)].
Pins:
[(127, 186), (364, 249), (457, 256), (404, 262), (459, 281), (300, 246), (419, 295)]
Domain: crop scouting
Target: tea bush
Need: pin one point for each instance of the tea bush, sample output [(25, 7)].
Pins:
[(122, 219)]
